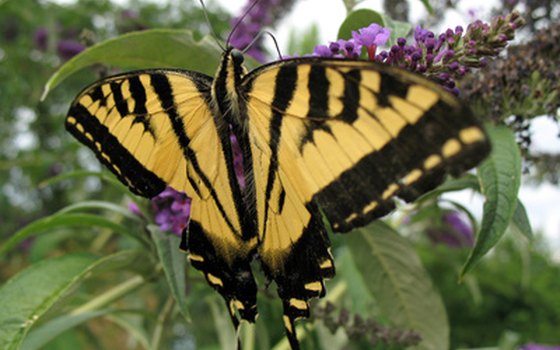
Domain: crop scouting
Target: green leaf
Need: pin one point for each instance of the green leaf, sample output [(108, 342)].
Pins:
[(42, 335), (302, 43), (134, 329), (428, 6), (521, 221), (467, 181), (104, 176), (398, 29), (358, 19), (100, 205), (44, 245), (155, 48), (173, 261), (500, 178), (393, 273), (359, 294), (31, 293), (69, 220)]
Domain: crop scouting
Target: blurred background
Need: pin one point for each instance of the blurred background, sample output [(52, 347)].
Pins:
[(512, 297)]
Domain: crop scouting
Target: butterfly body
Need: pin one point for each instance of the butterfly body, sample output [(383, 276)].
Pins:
[(341, 136)]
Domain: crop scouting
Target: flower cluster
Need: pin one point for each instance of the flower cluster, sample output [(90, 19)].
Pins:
[(369, 37), (356, 327), (444, 58), (524, 84), (453, 231)]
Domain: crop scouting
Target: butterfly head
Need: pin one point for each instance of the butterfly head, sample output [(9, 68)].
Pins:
[(232, 68), (237, 57), (226, 85)]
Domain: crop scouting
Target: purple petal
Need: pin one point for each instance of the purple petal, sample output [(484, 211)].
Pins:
[(134, 209), (322, 51), (374, 34)]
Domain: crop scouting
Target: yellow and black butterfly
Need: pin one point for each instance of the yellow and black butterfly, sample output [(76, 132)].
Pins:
[(342, 136)]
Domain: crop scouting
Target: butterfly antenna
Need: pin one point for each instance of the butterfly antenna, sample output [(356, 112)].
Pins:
[(253, 4), (258, 36), (214, 35)]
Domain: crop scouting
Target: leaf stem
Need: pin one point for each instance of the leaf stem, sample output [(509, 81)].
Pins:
[(162, 317), (111, 295)]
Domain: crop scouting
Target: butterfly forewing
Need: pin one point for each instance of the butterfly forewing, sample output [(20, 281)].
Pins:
[(155, 129), (374, 133)]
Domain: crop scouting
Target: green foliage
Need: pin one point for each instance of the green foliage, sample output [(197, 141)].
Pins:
[(173, 263), (27, 296), (93, 265), (154, 48), (500, 177), (356, 20), (362, 18), (515, 289), (395, 278), (299, 43), (428, 6)]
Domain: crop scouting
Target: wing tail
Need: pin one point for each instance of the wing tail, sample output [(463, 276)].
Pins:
[(231, 276), (300, 267), (289, 326)]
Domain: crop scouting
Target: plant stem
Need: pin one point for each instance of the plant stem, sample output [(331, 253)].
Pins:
[(158, 330), (110, 296)]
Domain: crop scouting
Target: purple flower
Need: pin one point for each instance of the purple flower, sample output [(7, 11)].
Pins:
[(41, 37), (322, 51), (334, 47), (420, 34), (371, 37), (340, 48), (69, 48), (350, 48), (453, 231), (374, 34), (172, 210), (134, 209)]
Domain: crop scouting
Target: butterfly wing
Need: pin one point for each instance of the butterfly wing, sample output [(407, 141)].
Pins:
[(155, 128), (348, 136)]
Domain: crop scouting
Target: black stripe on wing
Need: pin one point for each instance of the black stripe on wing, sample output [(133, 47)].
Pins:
[(107, 148)]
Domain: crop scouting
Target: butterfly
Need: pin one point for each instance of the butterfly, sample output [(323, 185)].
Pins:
[(318, 136)]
